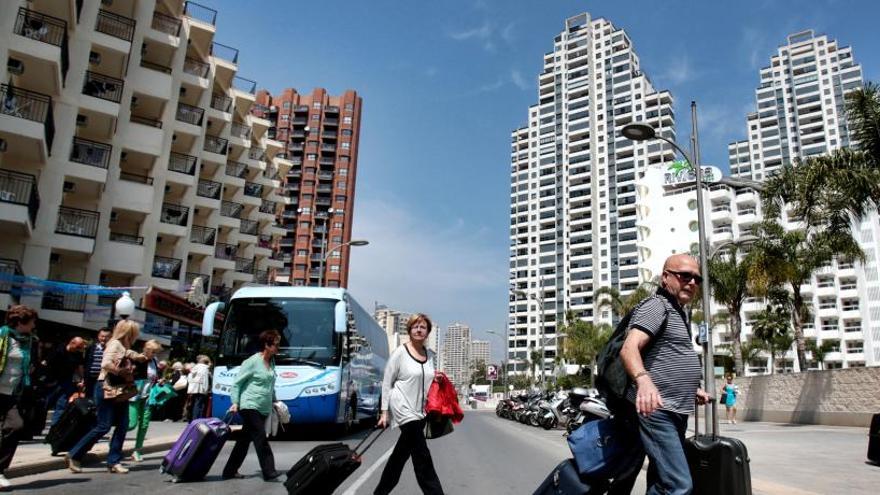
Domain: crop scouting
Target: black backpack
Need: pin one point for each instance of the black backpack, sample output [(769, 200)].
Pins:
[(611, 377)]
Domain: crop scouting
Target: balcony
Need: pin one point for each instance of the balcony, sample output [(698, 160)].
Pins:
[(236, 169), (209, 189), (46, 29), (191, 277), (244, 265), (264, 241), (216, 144), (103, 87), (231, 209), (269, 207), (261, 277), (126, 238), (115, 25), (200, 13), (166, 24), (196, 68), (184, 164), (224, 52), (147, 121), (77, 222), (64, 300), (146, 64), (221, 103), (173, 214), (203, 235), (240, 130), (31, 106), (140, 179), (225, 251), (190, 114), (249, 227), (330, 148), (253, 189), (166, 267), (258, 154), (244, 85), (9, 269), (19, 190)]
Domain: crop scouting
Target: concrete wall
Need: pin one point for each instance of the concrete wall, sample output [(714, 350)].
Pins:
[(842, 397)]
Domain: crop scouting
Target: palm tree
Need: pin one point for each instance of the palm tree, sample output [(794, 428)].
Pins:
[(863, 118), (584, 340), (534, 359), (819, 351), (620, 304), (729, 277), (751, 349), (771, 326)]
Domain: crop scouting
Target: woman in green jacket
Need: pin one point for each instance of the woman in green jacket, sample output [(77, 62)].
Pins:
[(252, 397), (16, 347)]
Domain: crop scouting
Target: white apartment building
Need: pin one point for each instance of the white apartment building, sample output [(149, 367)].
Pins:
[(456, 353), (573, 220), (480, 353), (130, 154)]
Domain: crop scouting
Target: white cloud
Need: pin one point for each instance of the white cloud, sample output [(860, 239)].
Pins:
[(431, 71), (446, 269), (489, 87), (507, 33), (481, 33), (518, 80), (679, 71)]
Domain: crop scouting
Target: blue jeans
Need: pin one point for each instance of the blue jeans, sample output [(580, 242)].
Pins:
[(111, 414), (199, 405), (662, 438), (57, 399)]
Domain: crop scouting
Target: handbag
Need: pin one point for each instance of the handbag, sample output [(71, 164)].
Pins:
[(437, 426), (723, 398), (601, 448), (180, 384), (120, 386)]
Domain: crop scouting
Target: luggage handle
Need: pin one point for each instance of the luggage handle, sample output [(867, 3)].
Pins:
[(362, 452), (714, 417)]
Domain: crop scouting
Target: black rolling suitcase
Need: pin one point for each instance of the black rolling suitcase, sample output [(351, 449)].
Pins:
[(874, 440), (325, 467), (719, 465), (565, 480), (78, 418)]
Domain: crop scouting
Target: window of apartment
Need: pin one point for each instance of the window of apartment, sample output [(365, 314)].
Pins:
[(336, 254), (286, 105), (312, 156), (306, 210), (300, 266), (346, 119), (334, 268), (346, 132), (346, 145), (337, 238), (285, 117), (302, 252), (316, 117), (340, 198), (337, 225), (349, 107), (343, 171), (343, 159), (316, 105), (305, 225), (302, 238), (341, 185)]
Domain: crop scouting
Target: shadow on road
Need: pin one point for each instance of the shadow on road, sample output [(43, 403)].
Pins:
[(43, 484)]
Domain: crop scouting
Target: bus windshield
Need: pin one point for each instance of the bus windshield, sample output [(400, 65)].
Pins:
[(306, 328)]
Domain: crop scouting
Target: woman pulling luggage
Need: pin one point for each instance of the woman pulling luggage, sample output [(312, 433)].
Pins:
[(408, 376), (252, 397), (116, 381), (146, 375)]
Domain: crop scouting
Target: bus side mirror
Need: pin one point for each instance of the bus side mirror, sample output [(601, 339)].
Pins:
[(340, 320), (208, 318)]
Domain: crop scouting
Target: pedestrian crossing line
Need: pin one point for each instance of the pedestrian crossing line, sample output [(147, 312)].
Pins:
[(352, 490)]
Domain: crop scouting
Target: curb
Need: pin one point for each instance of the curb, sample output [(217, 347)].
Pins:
[(59, 462)]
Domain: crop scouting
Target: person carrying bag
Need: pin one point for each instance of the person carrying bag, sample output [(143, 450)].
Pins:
[(442, 409)]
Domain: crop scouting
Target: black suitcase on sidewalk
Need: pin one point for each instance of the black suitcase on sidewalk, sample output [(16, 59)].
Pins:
[(874, 440), (77, 419), (719, 465), (325, 467), (565, 480)]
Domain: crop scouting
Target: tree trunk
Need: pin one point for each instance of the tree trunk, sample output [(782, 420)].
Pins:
[(798, 304), (736, 328)]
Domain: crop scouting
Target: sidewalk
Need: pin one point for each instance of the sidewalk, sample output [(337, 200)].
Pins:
[(35, 457)]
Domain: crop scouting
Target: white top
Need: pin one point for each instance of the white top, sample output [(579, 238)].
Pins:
[(11, 376), (405, 386), (198, 379)]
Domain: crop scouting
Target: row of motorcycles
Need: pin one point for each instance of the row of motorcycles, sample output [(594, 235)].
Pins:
[(561, 409)]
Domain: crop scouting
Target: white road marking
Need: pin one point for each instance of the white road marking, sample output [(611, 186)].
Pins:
[(352, 490)]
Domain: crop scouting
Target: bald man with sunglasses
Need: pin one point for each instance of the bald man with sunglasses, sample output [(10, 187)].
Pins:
[(665, 373)]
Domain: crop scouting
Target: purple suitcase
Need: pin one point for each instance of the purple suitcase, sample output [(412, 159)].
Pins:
[(195, 451)]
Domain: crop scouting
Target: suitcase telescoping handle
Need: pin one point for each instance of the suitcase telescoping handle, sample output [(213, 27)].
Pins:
[(712, 401), (370, 434)]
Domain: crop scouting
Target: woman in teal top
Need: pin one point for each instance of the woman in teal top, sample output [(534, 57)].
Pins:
[(252, 397)]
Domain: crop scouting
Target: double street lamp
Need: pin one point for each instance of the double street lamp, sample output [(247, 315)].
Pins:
[(326, 256)]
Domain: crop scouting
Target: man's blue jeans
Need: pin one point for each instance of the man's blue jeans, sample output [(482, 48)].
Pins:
[(662, 437), (111, 414), (57, 399)]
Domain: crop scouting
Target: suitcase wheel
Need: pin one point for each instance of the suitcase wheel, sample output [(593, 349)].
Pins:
[(54, 453)]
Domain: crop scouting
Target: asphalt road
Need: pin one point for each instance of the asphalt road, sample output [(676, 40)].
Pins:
[(487, 455)]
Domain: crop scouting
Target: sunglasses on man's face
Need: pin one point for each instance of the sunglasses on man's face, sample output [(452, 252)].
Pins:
[(687, 277)]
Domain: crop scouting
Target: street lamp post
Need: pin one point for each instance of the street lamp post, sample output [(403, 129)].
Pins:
[(643, 132), (504, 341), (325, 256), (540, 300)]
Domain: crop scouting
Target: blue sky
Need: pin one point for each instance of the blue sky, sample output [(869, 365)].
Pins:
[(445, 82)]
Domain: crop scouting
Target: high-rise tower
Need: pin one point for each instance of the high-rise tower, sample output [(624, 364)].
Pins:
[(573, 182), (456, 351)]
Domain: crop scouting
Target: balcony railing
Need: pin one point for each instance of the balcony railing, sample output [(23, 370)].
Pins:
[(29, 105), (103, 87), (190, 114), (191, 277), (126, 238), (77, 222), (203, 235), (264, 241), (20, 189), (115, 25), (253, 189), (225, 251), (246, 85), (196, 67), (249, 227), (261, 277), (224, 52), (147, 121), (236, 169), (140, 179), (258, 154), (268, 207), (166, 24), (221, 102), (174, 214), (231, 209), (185, 164), (155, 66), (216, 144), (64, 300), (45, 28), (240, 130), (200, 13), (244, 265), (209, 189), (166, 267), (8, 269)]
